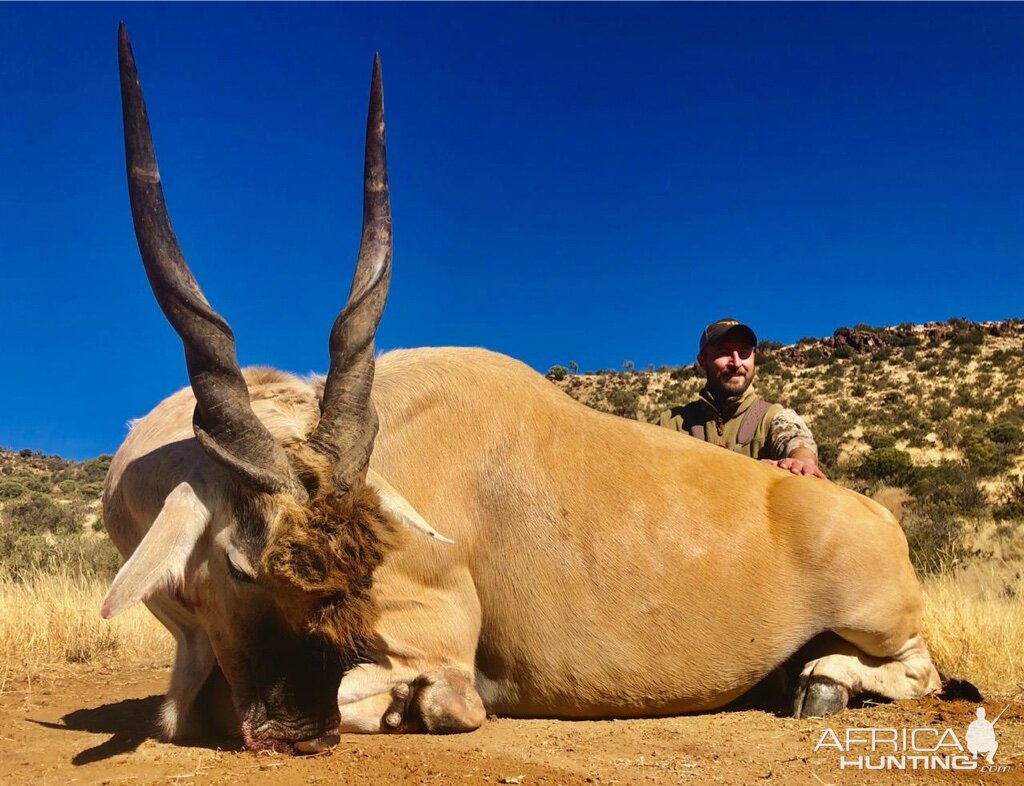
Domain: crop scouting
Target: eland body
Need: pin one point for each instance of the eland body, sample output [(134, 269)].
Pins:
[(420, 539)]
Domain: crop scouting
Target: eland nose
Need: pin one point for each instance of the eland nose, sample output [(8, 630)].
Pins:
[(317, 744)]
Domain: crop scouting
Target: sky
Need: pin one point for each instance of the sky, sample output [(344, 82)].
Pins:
[(570, 182)]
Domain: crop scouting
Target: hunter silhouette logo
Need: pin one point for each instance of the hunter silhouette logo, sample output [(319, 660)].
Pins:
[(981, 736), (918, 749)]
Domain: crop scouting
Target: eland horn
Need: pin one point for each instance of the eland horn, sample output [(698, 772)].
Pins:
[(348, 422), (224, 421)]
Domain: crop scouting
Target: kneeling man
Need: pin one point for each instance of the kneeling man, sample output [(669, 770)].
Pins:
[(729, 413)]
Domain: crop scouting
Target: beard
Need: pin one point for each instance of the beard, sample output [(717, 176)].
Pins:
[(729, 386)]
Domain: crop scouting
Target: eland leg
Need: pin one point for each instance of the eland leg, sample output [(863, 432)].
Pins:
[(182, 715), (438, 701), (856, 664)]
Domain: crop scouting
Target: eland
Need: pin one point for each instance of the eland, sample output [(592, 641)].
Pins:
[(423, 538)]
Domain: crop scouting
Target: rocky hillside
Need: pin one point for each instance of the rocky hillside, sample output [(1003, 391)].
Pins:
[(930, 416), (50, 514)]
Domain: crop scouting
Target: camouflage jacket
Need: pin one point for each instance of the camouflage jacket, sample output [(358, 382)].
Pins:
[(779, 432)]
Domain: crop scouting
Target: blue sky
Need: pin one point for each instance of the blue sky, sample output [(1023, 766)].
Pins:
[(569, 182)]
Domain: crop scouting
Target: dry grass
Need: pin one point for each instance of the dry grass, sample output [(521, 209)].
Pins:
[(49, 620), (974, 625)]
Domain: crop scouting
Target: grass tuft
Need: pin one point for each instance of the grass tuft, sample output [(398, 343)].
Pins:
[(974, 626), (49, 620)]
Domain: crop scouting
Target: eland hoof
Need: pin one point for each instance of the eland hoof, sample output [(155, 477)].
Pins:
[(817, 697)]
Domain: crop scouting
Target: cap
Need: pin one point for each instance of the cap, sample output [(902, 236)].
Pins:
[(716, 331)]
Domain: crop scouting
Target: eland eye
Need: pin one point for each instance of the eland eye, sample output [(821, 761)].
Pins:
[(237, 573)]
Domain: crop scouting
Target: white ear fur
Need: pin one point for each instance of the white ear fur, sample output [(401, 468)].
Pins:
[(399, 507), (159, 560)]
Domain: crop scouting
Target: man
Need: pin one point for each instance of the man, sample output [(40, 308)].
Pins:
[(730, 414)]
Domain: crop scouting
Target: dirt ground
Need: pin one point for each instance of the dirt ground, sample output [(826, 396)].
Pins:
[(93, 725)]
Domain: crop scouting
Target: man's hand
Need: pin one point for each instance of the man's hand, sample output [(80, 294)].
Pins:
[(800, 462)]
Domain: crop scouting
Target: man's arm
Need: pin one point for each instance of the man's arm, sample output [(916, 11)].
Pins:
[(792, 439)]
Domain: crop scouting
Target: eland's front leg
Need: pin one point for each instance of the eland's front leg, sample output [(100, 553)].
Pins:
[(439, 701)]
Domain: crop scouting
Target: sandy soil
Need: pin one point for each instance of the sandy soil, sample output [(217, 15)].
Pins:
[(94, 725)]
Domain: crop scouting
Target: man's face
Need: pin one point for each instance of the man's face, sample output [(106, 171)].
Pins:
[(729, 366)]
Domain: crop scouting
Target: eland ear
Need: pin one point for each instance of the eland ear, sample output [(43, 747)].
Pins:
[(160, 559), (399, 507)]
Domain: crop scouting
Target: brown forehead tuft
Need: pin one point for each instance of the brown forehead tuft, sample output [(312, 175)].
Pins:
[(331, 549)]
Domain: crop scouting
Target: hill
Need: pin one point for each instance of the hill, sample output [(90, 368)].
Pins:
[(928, 418), (50, 514)]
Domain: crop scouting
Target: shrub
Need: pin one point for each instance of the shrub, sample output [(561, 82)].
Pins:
[(876, 440), (87, 555), (38, 514), (1009, 511), (624, 403), (683, 372), (984, 456), (814, 357), (906, 340), (1013, 506), (888, 464), (967, 338), (937, 542), (1006, 433), (12, 489), (949, 488), (95, 470), (940, 410), (557, 373)]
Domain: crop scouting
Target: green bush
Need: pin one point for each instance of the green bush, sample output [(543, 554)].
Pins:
[(39, 514), (624, 403), (89, 555), (95, 470), (557, 373), (1009, 511), (876, 440), (973, 337), (940, 410), (889, 464), (984, 456), (1006, 433), (12, 489), (938, 542), (814, 357), (949, 488), (1013, 506)]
